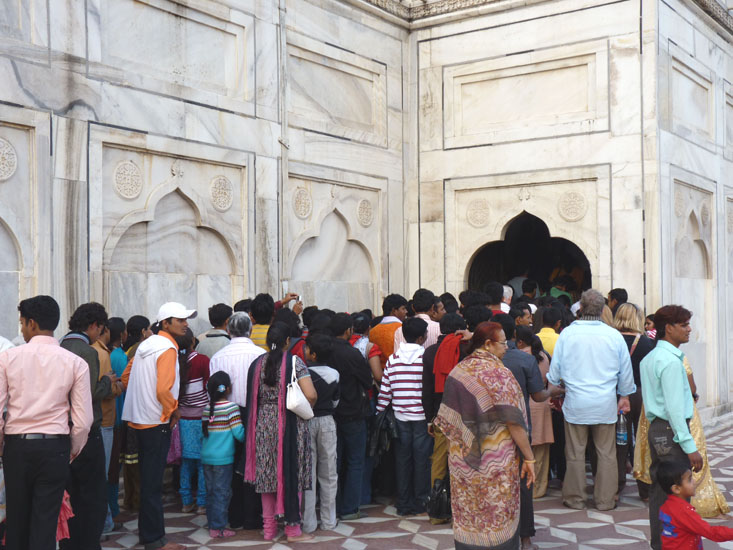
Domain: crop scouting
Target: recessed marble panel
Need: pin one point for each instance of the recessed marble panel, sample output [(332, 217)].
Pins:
[(25, 20), (540, 94), (336, 92), (162, 46), (692, 98)]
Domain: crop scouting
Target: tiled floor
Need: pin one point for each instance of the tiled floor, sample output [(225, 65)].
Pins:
[(625, 528)]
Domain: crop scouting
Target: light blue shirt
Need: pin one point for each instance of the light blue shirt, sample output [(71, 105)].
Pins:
[(666, 391), (593, 361)]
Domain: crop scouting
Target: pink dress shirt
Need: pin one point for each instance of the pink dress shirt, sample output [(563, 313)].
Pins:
[(43, 384), (432, 334)]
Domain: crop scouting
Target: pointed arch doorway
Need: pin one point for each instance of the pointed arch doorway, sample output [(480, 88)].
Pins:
[(529, 248)]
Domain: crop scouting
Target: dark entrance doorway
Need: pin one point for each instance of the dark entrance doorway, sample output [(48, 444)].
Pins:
[(528, 246)]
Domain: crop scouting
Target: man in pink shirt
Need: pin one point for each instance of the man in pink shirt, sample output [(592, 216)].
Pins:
[(42, 385)]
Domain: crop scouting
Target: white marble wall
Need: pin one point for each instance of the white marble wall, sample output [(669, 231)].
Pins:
[(149, 150), (515, 113), (203, 151), (695, 165)]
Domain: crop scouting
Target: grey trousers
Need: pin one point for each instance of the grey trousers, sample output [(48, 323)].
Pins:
[(661, 448), (325, 475), (606, 481)]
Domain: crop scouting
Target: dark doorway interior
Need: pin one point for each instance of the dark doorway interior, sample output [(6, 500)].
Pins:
[(528, 245)]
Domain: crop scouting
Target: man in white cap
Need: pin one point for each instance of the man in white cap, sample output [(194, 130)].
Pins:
[(151, 407)]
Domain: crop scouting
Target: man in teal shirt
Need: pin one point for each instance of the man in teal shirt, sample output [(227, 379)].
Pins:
[(668, 404)]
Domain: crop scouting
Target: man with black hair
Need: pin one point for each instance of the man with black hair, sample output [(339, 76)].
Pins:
[(308, 315), (423, 303), (550, 331), (243, 305), (475, 315), (355, 380), (527, 373), (616, 297), (438, 309), (394, 309), (151, 408), (449, 302), (495, 292), (562, 287), (87, 485), (668, 404), (522, 314), (217, 337), (43, 387), (402, 388), (261, 311), (433, 383)]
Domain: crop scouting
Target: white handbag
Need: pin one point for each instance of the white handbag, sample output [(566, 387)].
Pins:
[(295, 399)]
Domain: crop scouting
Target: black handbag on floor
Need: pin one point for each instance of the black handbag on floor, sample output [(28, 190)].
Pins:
[(439, 499)]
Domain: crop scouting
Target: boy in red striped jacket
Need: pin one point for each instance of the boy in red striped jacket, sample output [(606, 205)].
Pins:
[(402, 388)]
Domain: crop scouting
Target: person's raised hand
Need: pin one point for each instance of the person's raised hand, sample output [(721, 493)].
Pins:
[(289, 297)]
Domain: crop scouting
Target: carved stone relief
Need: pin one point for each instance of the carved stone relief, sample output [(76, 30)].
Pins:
[(302, 203), (679, 204), (705, 214), (8, 160), (128, 180), (730, 216), (364, 213), (478, 213), (221, 193), (572, 206)]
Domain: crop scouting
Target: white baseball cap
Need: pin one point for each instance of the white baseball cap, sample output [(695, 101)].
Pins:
[(174, 309)]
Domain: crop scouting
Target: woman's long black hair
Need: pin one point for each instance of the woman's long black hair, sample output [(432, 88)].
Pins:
[(217, 386), (135, 327), (277, 340), (526, 335), (185, 347)]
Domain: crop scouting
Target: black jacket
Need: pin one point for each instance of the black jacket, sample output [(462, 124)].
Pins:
[(355, 379)]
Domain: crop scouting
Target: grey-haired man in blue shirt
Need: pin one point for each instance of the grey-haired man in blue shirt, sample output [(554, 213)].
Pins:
[(593, 362)]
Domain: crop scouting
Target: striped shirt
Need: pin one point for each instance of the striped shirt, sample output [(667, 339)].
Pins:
[(195, 396), (402, 383), (224, 427)]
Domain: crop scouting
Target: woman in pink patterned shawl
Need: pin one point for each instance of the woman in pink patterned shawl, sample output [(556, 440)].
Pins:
[(483, 416)]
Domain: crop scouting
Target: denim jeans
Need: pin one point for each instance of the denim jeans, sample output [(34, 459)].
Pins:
[(351, 451), (107, 437), (190, 469), (412, 451), (219, 484)]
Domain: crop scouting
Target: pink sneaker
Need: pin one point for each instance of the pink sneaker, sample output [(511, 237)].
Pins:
[(221, 533)]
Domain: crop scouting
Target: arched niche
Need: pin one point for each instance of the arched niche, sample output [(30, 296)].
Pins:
[(10, 270), (527, 244), (332, 269), (692, 260), (169, 258)]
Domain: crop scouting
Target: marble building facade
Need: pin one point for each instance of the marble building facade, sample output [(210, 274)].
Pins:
[(203, 150)]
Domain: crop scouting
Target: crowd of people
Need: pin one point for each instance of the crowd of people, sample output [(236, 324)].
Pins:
[(281, 415)]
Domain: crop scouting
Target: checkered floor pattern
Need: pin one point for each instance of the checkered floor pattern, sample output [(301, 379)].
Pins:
[(626, 527)]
